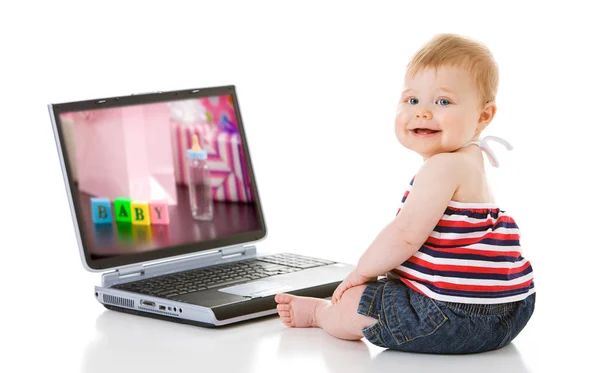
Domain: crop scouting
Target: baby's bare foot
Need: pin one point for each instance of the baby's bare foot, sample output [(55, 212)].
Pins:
[(298, 312)]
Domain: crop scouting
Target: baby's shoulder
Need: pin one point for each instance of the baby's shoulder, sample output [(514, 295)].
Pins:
[(441, 169), (453, 169)]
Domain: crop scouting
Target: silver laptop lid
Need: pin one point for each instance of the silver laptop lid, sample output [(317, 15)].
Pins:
[(125, 163)]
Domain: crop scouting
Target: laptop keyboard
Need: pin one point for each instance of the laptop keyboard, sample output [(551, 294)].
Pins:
[(182, 283)]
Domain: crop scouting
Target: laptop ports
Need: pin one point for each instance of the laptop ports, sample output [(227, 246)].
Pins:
[(148, 303)]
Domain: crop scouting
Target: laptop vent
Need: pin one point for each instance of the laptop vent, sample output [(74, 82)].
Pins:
[(118, 301), (157, 311)]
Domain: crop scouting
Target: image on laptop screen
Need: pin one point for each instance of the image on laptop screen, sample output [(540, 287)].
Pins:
[(129, 168)]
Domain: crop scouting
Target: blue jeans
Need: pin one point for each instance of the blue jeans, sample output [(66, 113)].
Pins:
[(411, 322)]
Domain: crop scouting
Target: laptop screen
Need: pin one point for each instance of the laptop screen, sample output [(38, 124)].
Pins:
[(158, 175)]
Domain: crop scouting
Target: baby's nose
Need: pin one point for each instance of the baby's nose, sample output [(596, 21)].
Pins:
[(423, 114)]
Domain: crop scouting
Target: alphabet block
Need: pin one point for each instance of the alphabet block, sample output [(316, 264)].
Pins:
[(123, 210), (101, 213), (159, 212), (140, 213)]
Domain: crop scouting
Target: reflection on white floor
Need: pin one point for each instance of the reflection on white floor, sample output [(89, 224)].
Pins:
[(131, 342)]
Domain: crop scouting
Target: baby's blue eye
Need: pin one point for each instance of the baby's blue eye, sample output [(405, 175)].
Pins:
[(413, 101), (443, 102)]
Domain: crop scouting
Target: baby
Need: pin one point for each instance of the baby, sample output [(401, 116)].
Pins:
[(455, 280)]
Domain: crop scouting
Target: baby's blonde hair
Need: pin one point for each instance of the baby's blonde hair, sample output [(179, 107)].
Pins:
[(455, 50)]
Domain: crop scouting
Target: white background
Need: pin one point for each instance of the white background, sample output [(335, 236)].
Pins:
[(318, 84)]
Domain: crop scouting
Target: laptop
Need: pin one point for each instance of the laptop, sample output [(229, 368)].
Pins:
[(126, 175)]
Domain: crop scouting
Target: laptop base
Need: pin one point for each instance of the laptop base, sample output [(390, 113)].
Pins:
[(160, 317), (236, 311)]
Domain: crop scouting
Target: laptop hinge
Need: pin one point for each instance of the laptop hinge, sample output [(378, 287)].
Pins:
[(139, 271), (131, 271), (233, 251)]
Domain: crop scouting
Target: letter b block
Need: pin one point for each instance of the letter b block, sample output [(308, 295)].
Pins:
[(140, 213), (101, 213), (159, 210)]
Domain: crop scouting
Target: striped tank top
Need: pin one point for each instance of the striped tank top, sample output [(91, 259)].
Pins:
[(473, 255)]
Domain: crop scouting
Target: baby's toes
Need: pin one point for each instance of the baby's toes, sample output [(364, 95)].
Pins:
[(284, 307), (287, 321), (283, 298)]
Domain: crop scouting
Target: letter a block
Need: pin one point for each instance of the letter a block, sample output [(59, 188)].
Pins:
[(140, 213), (123, 210), (101, 213), (159, 211)]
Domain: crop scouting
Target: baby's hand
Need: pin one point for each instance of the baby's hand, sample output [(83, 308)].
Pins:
[(353, 279)]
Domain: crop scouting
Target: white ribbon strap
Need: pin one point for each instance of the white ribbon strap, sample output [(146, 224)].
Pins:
[(485, 147)]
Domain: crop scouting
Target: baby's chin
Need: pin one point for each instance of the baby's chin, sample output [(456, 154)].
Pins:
[(425, 150), (422, 151)]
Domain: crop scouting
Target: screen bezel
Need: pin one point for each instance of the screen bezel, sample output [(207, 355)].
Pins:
[(173, 251)]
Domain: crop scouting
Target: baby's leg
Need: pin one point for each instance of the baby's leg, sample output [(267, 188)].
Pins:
[(340, 320)]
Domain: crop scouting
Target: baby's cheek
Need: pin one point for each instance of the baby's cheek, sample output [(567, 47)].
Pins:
[(400, 133), (452, 143), (401, 119)]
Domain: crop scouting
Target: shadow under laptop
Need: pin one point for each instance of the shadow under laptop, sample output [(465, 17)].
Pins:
[(143, 344), (361, 356)]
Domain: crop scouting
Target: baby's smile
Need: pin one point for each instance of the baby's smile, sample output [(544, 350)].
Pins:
[(424, 132)]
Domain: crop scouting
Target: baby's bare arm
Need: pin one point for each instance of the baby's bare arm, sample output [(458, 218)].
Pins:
[(432, 190)]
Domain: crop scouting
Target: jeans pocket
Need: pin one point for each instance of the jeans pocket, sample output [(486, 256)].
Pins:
[(409, 315)]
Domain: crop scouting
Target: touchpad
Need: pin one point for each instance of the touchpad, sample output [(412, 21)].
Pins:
[(256, 289)]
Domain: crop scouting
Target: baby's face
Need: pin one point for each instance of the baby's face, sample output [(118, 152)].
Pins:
[(438, 111)]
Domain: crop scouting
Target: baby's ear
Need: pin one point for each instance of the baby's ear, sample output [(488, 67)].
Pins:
[(486, 116)]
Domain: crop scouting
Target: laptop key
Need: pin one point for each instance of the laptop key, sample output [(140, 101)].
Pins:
[(227, 283), (308, 265)]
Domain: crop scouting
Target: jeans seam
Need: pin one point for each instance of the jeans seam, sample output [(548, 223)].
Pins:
[(370, 308), (506, 323), (369, 312), (395, 312), (439, 310), (375, 330), (420, 301)]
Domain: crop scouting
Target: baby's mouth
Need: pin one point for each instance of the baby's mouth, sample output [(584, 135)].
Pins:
[(424, 131)]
